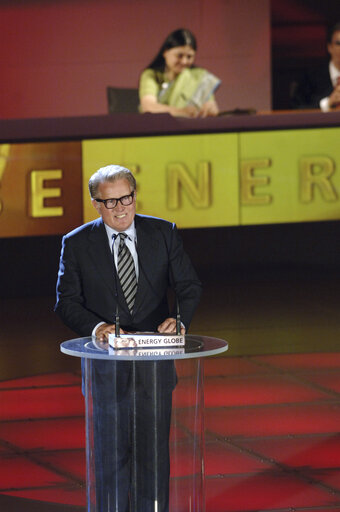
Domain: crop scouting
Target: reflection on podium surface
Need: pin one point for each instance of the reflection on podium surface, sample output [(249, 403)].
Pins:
[(192, 344)]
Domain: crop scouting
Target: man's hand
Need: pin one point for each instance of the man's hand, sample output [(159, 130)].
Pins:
[(169, 326), (103, 331)]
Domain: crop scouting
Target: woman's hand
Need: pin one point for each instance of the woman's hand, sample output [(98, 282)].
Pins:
[(150, 104), (209, 108), (188, 111)]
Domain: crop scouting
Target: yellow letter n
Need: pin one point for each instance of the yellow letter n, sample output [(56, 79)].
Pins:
[(198, 191)]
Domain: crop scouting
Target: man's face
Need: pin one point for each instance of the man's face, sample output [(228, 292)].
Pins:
[(120, 217), (334, 49)]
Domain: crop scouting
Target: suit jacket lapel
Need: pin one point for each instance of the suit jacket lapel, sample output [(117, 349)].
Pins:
[(147, 249), (100, 253)]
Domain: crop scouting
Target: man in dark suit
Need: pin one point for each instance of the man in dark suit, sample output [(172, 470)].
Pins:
[(320, 88), (90, 291)]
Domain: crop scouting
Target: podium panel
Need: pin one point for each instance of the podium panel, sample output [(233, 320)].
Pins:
[(144, 425)]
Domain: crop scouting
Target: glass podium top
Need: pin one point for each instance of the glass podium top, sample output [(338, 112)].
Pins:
[(195, 346)]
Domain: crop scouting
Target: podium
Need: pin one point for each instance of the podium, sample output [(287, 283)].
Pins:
[(144, 424)]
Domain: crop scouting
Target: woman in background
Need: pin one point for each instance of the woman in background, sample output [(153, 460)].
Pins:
[(170, 81)]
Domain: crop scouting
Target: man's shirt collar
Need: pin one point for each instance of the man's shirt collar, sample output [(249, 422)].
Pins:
[(334, 73), (130, 231)]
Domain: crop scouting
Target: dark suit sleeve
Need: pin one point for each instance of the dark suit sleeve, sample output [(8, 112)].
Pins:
[(311, 88), (183, 278), (71, 304)]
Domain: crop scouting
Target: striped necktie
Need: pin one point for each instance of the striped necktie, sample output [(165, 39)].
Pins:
[(126, 272)]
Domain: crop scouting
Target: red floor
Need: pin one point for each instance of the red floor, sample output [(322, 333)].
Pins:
[(272, 435)]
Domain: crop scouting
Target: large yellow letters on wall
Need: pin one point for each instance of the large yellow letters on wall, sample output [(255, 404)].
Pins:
[(207, 180), (39, 193), (191, 180), (228, 179), (302, 168)]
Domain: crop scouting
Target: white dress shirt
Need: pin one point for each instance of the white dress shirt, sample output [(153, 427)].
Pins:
[(334, 73), (131, 242), (113, 241)]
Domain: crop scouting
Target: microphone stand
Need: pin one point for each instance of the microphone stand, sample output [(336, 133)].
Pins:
[(117, 322), (178, 319)]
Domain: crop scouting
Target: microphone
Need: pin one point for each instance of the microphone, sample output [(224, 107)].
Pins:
[(156, 293), (178, 319), (117, 322)]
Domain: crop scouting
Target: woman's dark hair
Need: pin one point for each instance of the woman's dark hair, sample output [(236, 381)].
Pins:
[(180, 37)]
